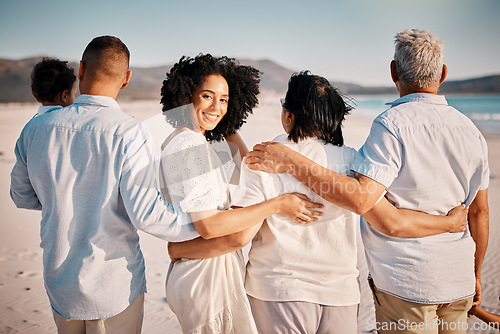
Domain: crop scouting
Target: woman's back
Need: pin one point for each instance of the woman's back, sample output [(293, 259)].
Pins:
[(290, 261)]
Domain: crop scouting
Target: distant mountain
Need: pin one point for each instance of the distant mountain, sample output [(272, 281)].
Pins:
[(146, 82), (489, 84)]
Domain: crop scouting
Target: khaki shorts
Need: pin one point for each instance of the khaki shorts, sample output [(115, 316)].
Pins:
[(303, 317), (395, 315), (128, 321)]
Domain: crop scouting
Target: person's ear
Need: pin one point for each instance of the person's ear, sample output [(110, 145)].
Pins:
[(394, 73), (444, 73), (287, 115), (65, 96), (127, 79), (291, 119), (81, 71)]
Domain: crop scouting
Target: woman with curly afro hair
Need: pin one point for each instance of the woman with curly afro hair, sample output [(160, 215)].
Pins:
[(206, 99)]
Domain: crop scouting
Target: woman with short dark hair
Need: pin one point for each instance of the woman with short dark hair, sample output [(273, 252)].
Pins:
[(315, 108)]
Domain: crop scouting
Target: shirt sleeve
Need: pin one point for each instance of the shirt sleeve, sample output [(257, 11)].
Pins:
[(380, 158), (144, 204), (485, 179), (250, 188), (192, 173), (21, 190)]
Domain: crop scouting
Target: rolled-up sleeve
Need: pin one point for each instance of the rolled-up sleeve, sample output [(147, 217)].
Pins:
[(485, 179), (380, 158)]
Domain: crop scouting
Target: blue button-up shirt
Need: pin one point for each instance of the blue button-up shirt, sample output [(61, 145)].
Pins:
[(431, 158), (45, 109), (90, 168)]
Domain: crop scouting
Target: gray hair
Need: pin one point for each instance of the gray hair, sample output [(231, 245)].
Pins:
[(419, 58)]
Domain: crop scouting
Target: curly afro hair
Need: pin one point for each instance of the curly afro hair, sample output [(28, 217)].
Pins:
[(188, 74), (51, 77)]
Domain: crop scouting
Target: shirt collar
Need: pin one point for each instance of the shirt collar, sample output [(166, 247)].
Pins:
[(45, 109), (103, 101), (420, 97)]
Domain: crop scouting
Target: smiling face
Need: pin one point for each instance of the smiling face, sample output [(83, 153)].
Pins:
[(210, 102)]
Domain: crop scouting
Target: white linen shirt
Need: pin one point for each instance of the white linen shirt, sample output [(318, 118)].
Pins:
[(90, 168), (431, 158), (289, 261)]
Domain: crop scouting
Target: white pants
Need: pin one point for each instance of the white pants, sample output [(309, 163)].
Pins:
[(128, 321), (303, 317)]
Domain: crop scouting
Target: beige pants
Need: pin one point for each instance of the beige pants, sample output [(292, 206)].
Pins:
[(128, 321), (395, 315)]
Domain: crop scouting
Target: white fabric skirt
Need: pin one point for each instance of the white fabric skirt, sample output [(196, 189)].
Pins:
[(208, 296)]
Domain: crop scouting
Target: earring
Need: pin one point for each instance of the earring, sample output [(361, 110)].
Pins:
[(289, 121)]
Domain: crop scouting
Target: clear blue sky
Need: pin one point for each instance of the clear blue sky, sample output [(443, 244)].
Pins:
[(342, 40)]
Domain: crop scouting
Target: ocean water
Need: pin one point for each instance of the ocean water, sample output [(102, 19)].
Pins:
[(483, 110)]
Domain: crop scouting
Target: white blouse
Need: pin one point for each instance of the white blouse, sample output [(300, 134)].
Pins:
[(289, 261), (207, 295)]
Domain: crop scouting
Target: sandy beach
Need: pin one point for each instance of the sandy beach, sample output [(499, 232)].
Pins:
[(24, 306)]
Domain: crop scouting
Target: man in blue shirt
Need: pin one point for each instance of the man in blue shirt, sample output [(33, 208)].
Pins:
[(428, 157), (90, 169)]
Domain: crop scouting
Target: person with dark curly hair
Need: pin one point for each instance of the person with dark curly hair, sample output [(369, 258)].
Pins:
[(53, 84), (304, 278), (207, 99)]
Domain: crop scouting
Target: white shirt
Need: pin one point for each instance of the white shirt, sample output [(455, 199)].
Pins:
[(289, 261), (207, 295), (431, 158), (195, 173), (90, 168)]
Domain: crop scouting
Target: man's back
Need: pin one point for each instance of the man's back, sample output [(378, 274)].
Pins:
[(90, 168), (431, 158), (443, 159)]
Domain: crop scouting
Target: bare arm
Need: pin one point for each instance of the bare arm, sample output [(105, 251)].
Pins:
[(237, 145), (492, 319), (403, 223), (358, 195), (213, 224), (479, 220), (203, 249), (238, 151)]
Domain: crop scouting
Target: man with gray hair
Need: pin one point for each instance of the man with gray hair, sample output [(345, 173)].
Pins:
[(426, 156)]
